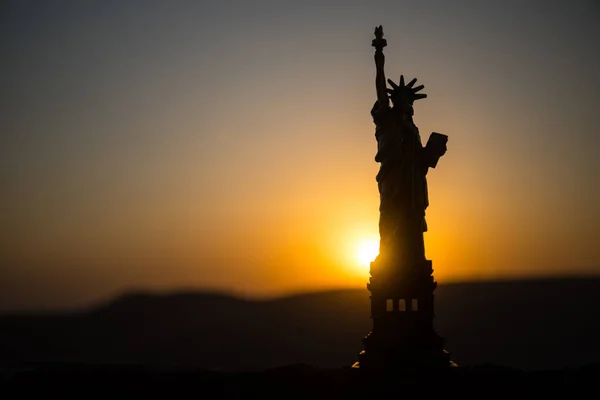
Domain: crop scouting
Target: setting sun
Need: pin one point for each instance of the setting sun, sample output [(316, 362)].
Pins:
[(367, 251)]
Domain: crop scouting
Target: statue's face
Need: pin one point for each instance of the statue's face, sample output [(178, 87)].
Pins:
[(405, 109)]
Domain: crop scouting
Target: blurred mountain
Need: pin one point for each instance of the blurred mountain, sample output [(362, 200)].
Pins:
[(537, 324)]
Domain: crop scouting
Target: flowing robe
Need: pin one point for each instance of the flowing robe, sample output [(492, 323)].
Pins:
[(402, 187)]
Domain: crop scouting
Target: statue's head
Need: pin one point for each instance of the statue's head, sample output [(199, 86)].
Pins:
[(403, 96)]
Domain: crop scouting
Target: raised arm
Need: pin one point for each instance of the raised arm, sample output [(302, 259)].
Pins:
[(379, 43)]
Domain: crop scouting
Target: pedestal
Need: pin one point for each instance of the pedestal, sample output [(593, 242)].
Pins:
[(402, 309)]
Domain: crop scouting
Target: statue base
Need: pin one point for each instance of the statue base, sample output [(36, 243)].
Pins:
[(403, 336), (402, 353)]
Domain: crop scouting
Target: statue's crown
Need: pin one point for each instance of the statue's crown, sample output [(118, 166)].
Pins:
[(405, 93)]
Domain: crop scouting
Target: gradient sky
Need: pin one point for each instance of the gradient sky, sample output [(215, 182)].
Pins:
[(175, 144)]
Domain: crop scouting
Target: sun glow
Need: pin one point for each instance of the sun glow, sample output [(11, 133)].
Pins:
[(367, 251)]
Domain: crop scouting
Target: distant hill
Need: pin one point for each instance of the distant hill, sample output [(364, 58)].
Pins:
[(540, 324)]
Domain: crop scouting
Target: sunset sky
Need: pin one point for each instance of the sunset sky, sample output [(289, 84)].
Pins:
[(159, 145)]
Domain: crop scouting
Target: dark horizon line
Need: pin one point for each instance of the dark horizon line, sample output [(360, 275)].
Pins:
[(216, 292)]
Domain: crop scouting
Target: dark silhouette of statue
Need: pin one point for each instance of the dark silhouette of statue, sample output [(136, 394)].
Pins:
[(401, 282), (404, 165)]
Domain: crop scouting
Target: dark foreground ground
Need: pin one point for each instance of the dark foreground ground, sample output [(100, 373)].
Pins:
[(481, 382), (543, 333), (529, 325)]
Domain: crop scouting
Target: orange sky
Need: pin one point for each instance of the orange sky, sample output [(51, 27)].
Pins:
[(159, 146)]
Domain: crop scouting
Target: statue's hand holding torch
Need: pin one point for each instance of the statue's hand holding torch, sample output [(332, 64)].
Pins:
[(379, 43)]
